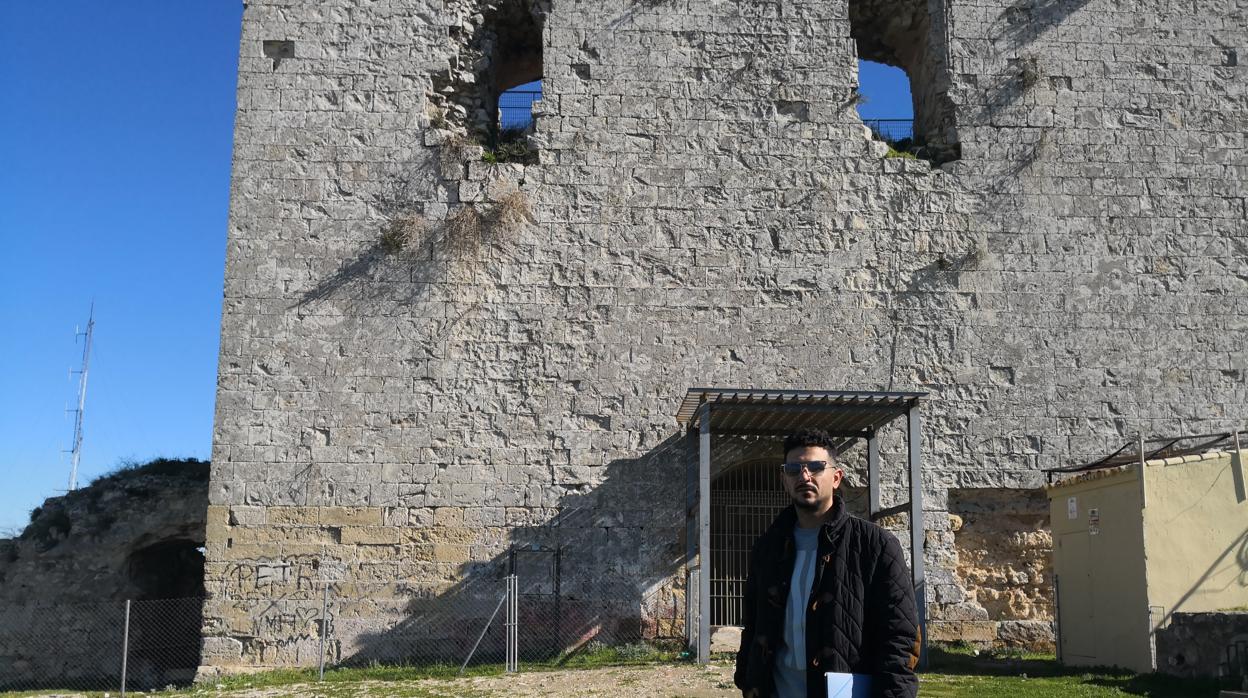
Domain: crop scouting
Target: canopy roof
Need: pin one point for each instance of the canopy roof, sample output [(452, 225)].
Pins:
[(842, 413)]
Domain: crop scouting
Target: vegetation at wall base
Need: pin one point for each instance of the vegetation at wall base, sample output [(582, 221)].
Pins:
[(958, 671)]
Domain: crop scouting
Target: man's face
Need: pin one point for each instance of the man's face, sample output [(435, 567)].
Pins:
[(812, 491)]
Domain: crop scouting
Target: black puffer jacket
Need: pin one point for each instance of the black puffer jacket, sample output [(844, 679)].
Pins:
[(861, 614)]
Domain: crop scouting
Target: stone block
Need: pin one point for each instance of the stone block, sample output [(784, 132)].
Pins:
[(443, 552), (982, 633), (369, 535), (278, 516), (351, 516), (725, 638), (247, 516), (221, 651)]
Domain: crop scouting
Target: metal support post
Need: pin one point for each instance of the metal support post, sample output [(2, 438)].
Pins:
[(320, 670), (1237, 471), (691, 540), (914, 426), (704, 536), (513, 624), (125, 648), (873, 473)]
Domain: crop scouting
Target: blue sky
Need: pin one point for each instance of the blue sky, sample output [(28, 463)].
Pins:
[(115, 134)]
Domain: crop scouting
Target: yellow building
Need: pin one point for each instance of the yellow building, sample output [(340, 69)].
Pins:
[(1129, 551)]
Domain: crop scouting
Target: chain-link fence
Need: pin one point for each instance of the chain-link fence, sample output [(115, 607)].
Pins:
[(511, 619), (891, 130), (107, 646)]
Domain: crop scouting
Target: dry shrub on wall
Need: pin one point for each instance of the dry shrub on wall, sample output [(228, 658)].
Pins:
[(464, 231), (512, 209), (402, 234), (472, 226)]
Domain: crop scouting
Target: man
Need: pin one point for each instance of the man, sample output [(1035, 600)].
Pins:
[(826, 592)]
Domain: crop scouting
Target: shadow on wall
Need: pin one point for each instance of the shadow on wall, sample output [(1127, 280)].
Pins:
[(1237, 553), (1024, 21), (605, 568)]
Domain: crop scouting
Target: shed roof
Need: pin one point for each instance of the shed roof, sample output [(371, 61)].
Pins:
[(1157, 449), (847, 413)]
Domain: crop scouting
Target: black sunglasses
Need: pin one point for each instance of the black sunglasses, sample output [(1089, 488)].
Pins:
[(812, 466)]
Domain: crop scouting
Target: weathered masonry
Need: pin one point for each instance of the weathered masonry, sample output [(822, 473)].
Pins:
[(433, 355), (134, 535)]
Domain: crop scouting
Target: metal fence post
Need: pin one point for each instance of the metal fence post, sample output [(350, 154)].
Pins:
[(513, 624), (125, 648), (320, 670)]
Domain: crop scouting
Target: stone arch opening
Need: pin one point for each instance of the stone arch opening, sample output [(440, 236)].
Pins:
[(906, 35), (167, 612), (169, 569)]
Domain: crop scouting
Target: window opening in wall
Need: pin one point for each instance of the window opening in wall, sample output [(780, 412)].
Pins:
[(515, 78), (497, 67), (886, 106), (515, 107), (904, 36)]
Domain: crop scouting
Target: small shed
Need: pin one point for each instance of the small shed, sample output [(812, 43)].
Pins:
[(1158, 527)]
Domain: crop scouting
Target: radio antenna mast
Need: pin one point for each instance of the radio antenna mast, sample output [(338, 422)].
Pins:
[(82, 397)]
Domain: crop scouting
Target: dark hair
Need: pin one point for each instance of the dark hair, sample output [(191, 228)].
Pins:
[(810, 437)]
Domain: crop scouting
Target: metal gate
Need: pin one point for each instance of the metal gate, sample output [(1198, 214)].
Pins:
[(744, 502)]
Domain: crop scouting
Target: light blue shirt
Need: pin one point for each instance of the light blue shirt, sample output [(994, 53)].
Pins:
[(790, 671)]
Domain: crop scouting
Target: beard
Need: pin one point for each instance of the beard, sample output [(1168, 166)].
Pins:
[(807, 504), (812, 505)]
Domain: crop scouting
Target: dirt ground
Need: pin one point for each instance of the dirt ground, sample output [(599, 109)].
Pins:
[(663, 681)]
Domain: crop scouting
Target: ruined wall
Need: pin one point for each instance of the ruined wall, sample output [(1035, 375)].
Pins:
[(1204, 645), (64, 581), (420, 367), (1004, 569)]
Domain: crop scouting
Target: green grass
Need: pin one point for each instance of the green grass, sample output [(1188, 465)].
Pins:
[(953, 672), (957, 671)]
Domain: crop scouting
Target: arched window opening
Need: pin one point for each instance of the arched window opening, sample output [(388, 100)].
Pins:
[(886, 105), (515, 80), (903, 35), (515, 108), (496, 63)]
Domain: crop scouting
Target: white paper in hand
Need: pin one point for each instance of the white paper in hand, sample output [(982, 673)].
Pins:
[(848, 685)]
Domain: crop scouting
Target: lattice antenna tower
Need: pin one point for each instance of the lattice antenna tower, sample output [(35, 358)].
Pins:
[(82, 397)]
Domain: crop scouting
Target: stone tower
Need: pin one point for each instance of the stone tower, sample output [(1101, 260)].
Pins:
[(430, 357)]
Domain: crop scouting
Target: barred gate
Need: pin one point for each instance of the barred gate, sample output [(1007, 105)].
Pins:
[(744, 502)]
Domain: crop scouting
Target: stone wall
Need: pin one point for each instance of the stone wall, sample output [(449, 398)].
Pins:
[(1004, 570), (1205, 645), (426, 358), (65, 580)]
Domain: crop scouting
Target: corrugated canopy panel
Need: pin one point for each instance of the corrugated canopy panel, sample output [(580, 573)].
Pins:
[(773, 412)]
